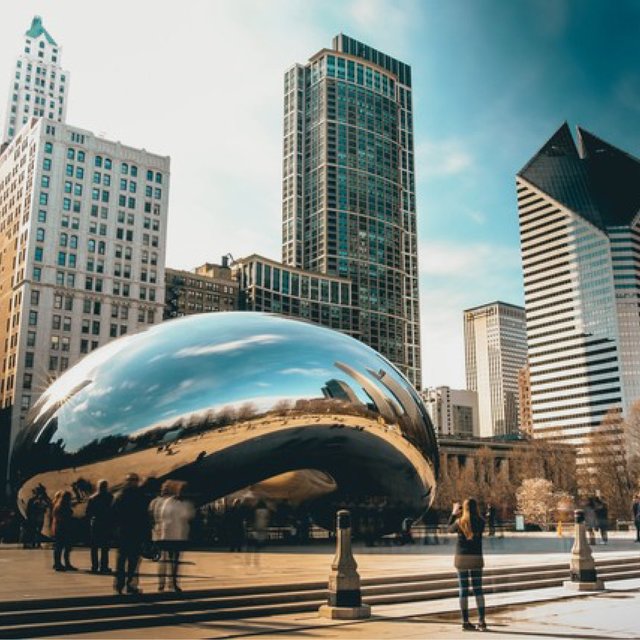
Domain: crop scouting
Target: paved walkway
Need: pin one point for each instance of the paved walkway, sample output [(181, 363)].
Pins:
[(544, 613), (28, 574)]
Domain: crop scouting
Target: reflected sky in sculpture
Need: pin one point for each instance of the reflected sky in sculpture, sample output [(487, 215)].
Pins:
[(217, 373)]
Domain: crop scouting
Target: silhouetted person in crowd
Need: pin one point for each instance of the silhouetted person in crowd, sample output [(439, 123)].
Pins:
[(62, 530), (234, 520), (171, 515), (602, 518), (490, 515), (131, 521), (99, 517), (590, 520), (37, 508), (635, 513), (469, 561), (261, 524)]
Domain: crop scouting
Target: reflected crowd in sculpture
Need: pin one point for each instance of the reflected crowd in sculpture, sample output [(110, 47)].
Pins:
[(226, 401)]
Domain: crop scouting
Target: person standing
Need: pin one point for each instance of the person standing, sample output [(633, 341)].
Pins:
[(590, 520), (635, 512), (491, 519), (469, 561), (132, 527), (602, 518), (171, 515), (99, 517), (234, 520), (62, 530)]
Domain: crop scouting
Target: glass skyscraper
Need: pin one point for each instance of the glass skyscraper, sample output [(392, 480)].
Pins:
[(349, 189), (580, 233)]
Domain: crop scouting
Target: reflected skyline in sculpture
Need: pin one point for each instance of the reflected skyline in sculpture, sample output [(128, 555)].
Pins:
[(228, 400)]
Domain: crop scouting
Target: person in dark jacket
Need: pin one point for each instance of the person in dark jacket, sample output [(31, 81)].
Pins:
[(62, 529), (132, 528), (99, 517), (469, 562), (635, 512), (602, 518)]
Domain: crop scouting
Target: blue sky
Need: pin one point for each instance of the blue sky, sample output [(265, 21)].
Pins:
[(201, 81)]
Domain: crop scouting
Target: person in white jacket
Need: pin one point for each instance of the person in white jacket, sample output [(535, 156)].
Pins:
[(171, 515)]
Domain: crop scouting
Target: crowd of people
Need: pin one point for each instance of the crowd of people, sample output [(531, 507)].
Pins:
[(137, 524)]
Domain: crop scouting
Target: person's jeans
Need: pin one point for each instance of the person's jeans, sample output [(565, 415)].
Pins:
[(127, 565), (104, 557), (61, 548), (464, 578)]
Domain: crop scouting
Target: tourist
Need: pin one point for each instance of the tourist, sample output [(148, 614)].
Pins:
[(602, 518), (171, 515), (99, 518), (469, 562), (132, 528), (635, 512), (234, 520), (62, 530), (491, 519), (590, 520), (37, 508)]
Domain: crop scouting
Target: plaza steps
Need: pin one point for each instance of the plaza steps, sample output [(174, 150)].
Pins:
[(86, 614)]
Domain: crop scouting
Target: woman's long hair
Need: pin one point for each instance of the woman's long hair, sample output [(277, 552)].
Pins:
[(470, 519)]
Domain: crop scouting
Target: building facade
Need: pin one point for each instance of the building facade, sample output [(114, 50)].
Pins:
[(579, 209), (208, 288), (39, 85), (270, 286), (495, 351), (453, 412), (524, 401), (82, 253), (349, 207)]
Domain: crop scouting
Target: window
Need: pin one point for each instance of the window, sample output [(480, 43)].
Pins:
[(69, 170), (85, 325), (80, 156), (28, 359), (134, 170), (42, 216), (98, 163), (37, 274), (27, 380), (44, 182), (74, 242), (107, 163), (66, 326), (124, 168), (31, 339), (33, 318), (149, 175), (63, 239), (84, 346), (95, 327), (62, 258), (55, 343), (44, 198), (53, 363), (38, 253), (158, 177), (71, 154), (48, 147), (40, 234)]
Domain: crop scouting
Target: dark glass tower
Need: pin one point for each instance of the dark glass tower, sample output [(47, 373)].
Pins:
[(580, 232), (349, 188)]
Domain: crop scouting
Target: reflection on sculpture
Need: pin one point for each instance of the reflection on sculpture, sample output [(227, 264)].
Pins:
[(229, 400)]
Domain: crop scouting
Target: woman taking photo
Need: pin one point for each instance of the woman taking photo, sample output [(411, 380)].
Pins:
[(469, 526)]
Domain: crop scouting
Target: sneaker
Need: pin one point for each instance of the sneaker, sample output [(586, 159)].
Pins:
[(467, 626), (482, 626), (70, 567), (134, 590), (59, 567)]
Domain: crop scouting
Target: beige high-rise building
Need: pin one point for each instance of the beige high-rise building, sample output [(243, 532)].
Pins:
[(495, 351), (82, 253)]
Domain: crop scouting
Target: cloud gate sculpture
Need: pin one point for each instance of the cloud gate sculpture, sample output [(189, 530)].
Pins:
[(227, 401)]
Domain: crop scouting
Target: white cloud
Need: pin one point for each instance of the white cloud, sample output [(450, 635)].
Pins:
[(442, 158), (454, 278), (225, 347), (313, 372)]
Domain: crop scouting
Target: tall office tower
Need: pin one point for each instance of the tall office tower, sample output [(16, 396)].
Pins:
[(580, 233), (495, 350), (349, 189), (82, 253), (524, 401), (39, 85), (454, 412)]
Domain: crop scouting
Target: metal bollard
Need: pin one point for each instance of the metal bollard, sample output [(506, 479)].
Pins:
[(345, 600), (583, 568)]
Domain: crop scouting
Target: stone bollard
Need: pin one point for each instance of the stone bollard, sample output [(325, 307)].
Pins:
[(345, 601), (583, 568)]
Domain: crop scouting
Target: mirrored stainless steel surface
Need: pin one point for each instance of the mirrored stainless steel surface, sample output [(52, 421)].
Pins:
[(231, 400)]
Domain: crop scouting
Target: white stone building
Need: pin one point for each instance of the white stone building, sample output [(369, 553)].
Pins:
[(39, 85), (82, 254)]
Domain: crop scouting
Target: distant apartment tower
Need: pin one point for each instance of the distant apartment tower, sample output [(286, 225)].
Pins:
[(495, 351), (39, 86), (453, 412), (579, 212), (82, 253), (349, 206), (208, 288), (270, 286)]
